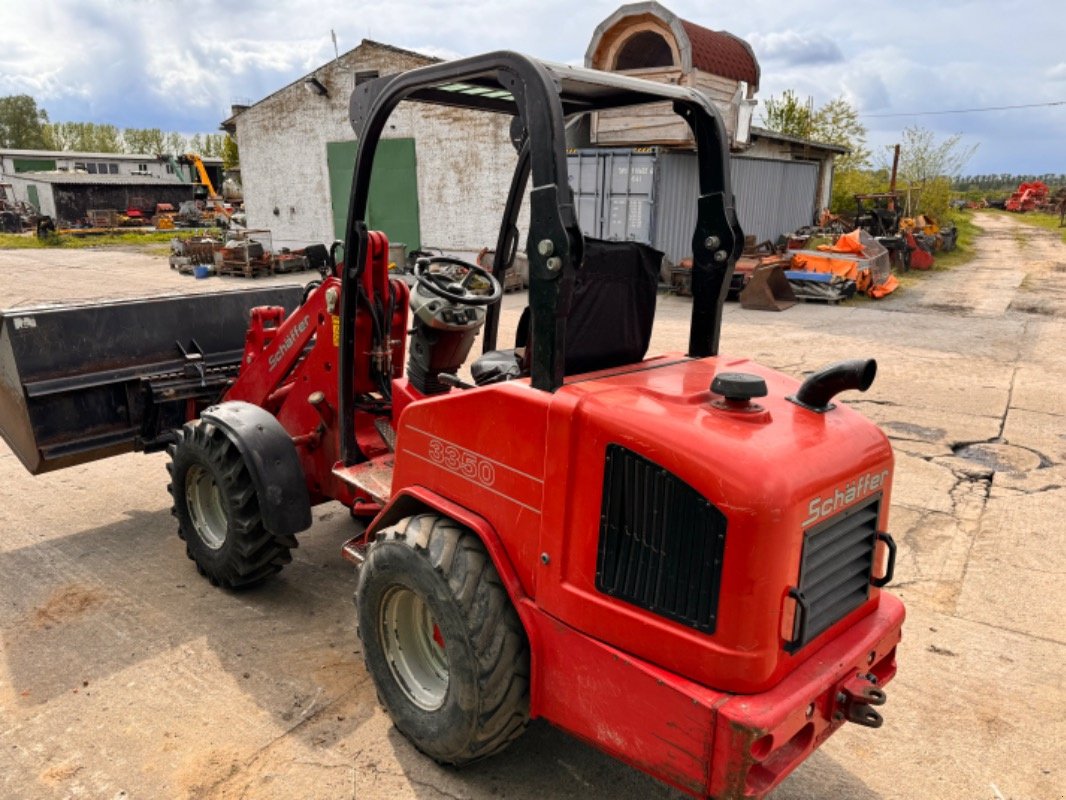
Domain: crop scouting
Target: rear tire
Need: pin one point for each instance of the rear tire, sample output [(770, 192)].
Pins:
[(217, 509), (442, 640)]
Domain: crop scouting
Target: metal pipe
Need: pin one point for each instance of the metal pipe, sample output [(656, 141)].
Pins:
[(821, 387)]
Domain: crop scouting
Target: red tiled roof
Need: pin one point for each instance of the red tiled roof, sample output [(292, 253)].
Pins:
[(722, 54)]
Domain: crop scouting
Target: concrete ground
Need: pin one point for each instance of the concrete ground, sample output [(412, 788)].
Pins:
[(124, 675)]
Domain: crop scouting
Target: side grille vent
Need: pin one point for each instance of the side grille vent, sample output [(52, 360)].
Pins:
[(661, 542), (835, 570)]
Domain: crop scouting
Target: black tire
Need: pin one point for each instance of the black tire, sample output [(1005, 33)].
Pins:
[(217, 509), (484, 704)]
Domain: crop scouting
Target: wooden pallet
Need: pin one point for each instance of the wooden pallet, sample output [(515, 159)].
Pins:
[(253, 268)]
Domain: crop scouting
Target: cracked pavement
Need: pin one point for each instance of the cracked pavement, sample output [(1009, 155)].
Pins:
[(124, 675)]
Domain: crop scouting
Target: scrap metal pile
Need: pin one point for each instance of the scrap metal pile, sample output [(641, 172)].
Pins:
[(15, 216), (242, 254), (1029, 196), (804, 269)]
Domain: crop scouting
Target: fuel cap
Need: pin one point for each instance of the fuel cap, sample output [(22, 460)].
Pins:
[(738, 388)]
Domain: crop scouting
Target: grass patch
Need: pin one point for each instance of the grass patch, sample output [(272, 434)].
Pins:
[(14, 241), (965, 246), (1033, 219)]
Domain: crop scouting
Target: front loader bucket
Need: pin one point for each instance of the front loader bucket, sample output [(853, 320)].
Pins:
[(83, 382), (768, 290)]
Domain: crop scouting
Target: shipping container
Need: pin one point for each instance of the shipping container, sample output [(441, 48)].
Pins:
[(648, 195)]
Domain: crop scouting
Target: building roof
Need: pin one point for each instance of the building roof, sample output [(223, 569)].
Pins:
[(717, 52), (13, 153), (722, 53), (764, 133), (83, 178), (228, 123)]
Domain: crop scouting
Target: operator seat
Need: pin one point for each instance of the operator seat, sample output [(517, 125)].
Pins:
[(610, 320)]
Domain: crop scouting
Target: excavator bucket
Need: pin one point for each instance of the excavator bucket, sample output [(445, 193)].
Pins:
[(768, 290), (84, 382)]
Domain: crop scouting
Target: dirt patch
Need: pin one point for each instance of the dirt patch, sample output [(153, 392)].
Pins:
[(206, 776), (67, 603), (60, 773)]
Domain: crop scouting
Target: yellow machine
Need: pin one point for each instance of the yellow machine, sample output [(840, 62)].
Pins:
[(213, 197)]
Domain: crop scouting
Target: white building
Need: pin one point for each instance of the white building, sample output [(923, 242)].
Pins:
[(441, 174), (64, 185)]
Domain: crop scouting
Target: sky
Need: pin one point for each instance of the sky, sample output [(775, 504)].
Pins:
[(180, 65)]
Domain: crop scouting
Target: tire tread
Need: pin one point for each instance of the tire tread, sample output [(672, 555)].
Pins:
[(256, 554), (501, 648)]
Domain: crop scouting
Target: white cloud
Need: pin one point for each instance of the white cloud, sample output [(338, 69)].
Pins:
[(793, 48)]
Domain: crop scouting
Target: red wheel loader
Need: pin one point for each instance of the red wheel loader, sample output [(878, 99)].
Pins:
[(678, 558)]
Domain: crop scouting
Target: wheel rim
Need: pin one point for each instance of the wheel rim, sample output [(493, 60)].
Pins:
[(414, 648), (206, 510)]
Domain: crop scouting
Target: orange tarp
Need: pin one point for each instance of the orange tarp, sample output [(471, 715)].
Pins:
[(848, 243), (838, 266), (887, 287)]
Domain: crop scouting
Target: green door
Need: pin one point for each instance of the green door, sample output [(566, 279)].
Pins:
[(31, 195), (393, 205)]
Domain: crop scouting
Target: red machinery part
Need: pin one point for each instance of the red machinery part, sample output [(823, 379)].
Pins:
[(290, 369), (703, 741), (535, 503)]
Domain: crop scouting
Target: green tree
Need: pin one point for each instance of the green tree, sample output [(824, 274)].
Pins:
[(231, 157), (147, 141), (927, 166), (84, 137), (214, 144), (22, 123), (837, 122), (789, 115), (175, 144), (849, 182)]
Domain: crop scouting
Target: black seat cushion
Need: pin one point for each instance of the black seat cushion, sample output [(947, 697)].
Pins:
[(495, 366), (611, 314), (613, 305)]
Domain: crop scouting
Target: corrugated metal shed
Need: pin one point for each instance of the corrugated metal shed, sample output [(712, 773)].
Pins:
[(649, 195), (774, 197)]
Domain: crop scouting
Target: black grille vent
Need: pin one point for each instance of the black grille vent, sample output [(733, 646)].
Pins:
[(661, 542), (835, 569)]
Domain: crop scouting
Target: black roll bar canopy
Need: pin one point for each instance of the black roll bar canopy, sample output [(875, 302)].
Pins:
[(543, 96)]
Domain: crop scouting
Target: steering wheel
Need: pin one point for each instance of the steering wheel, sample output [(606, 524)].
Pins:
[(456, 291)]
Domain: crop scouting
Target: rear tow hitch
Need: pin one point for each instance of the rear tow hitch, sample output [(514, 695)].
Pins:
[(857, 698)]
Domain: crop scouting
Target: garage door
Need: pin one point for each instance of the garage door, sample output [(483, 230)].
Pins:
[(393, 205)]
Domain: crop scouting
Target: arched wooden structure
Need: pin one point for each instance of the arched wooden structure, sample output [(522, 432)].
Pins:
[(650, 41)]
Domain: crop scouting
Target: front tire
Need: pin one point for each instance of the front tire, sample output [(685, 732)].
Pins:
[(217, 509), (442, 641)]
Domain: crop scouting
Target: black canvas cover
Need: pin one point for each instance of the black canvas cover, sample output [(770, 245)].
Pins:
[(613, 305)]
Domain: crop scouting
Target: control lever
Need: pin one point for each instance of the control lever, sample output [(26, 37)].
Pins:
[(454, 381)]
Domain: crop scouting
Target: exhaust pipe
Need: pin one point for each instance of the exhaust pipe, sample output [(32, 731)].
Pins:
[(824, 385)]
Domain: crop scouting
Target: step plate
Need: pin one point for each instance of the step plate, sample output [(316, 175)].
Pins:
[(373, 477)]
